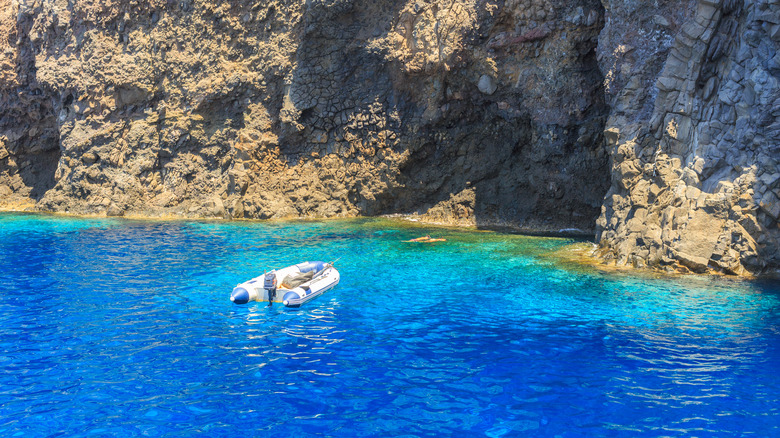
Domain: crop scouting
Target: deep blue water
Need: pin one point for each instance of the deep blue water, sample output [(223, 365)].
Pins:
[(125, 328)]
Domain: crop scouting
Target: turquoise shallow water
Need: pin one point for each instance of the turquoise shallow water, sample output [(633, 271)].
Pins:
[(125, 328)]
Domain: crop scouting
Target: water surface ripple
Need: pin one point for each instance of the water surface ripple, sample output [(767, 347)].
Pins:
[(124, 328)]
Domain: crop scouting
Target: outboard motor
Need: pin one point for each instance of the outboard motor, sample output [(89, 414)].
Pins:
[(251, 290), (269, 284)]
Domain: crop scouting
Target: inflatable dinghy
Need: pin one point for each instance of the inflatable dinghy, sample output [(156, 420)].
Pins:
[(291, 286)]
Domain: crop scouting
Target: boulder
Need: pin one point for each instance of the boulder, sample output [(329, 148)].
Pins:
[(487, 84)]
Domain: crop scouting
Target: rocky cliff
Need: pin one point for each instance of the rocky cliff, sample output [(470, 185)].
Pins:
[(694, 136), (460, 111), (481, 112)]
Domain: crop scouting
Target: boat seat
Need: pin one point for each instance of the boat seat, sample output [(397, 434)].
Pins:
[(294, 280)]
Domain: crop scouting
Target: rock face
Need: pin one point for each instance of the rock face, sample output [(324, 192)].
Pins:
[(694, 136), (486, 112), (463, 111)]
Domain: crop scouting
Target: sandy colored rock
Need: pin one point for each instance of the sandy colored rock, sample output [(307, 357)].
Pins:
[(305, 109)]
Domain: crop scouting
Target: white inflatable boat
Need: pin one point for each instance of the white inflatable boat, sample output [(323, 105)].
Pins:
[(291, 286)]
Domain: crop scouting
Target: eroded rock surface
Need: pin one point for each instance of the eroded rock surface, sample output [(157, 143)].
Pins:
[(694, 135), (475, 112)]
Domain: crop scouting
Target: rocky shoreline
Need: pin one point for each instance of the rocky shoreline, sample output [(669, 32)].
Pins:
[(579, 254), (651, 126)]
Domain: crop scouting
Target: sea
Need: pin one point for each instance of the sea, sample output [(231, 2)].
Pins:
[(124, 328)]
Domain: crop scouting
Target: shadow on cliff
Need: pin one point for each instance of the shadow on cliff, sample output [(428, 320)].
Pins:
[(500, 159), (496, 172), (29, 122), (497, 159)]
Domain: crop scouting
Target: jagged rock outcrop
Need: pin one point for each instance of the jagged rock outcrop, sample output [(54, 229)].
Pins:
[(694, 136)]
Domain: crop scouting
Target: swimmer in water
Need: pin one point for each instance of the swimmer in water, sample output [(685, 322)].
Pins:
[(426, 239)]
